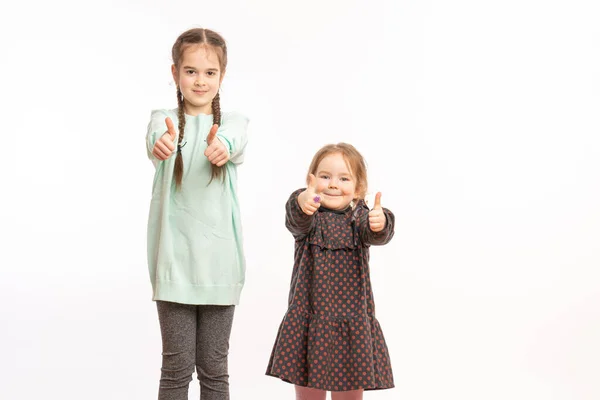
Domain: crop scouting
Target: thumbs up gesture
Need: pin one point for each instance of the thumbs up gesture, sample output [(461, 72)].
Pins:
[(376, 215), (216, 152), (164, 147), (309, 200)]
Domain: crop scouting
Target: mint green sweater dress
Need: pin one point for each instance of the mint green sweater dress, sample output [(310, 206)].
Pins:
[(195, 252)]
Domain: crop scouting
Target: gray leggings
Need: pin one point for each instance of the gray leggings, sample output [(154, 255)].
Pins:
[(194, 336)]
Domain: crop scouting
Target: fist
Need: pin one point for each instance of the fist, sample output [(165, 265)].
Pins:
[(216, 152), (376, 215), (164, 147), (309, 200)]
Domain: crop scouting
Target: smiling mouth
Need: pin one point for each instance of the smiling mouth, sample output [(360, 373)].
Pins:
[(200, 91)]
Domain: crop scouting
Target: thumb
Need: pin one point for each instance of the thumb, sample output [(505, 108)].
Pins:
[(170, 128), (377, 200), (212, 134), (312, 183)]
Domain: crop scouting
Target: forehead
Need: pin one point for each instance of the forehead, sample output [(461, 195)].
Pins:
[(200, 56), (335, 162)]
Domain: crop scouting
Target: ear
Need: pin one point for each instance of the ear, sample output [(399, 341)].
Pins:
[(175, 74)]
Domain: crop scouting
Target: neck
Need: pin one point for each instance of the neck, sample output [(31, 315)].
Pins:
[(195, 111)]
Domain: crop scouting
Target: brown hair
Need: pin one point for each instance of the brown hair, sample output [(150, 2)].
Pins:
[(216, 42), (354, 161)]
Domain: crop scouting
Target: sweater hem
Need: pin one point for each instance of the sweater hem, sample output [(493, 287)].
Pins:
[(191, 294)]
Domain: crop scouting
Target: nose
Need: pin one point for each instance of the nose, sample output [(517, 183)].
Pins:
[(199, 81), (332, 184)]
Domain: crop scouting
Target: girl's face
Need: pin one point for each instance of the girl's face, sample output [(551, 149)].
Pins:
[(199, 78), (335, 183)]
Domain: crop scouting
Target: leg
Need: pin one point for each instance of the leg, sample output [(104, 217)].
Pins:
[(212, 348), (305, 393), (178, 330), (349, 395)]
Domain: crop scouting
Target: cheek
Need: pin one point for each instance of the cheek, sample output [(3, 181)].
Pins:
[(349, 190), (184, 80), (211, 80)]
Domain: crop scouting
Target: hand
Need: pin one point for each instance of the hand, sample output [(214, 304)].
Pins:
[(164, 147), (216, 152), (376, 215), (309, 200)]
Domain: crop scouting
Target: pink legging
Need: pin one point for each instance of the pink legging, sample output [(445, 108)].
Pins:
[(304, 393)]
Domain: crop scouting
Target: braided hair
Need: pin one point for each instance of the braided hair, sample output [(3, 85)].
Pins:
[(217, 43)]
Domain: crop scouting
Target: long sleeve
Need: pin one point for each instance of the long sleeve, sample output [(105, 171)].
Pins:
[(297, 222), (233, 134), (369, 237)]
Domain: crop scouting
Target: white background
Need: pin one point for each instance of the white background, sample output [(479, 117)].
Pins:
[(479, 122)]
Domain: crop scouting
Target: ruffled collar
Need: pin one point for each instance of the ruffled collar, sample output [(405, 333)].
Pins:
[(337, 229)]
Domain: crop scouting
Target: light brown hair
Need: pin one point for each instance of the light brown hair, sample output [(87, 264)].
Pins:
[(214, 41), (354, 160)]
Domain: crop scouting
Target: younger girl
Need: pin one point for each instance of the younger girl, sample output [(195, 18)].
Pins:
[(329, 339), (195, 254)]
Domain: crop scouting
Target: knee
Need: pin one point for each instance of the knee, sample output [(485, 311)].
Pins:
[(211, 357), (177, 369), (306, 393), (212, 366)]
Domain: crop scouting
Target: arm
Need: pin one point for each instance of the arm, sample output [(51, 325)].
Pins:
[(297, 222), (233, 134), (382, 237)]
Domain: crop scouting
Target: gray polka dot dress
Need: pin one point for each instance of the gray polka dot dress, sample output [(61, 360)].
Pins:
[(329, 338)]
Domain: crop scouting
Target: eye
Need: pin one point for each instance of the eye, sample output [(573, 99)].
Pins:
[(190, 72), (345, 179), (324, 176), (211, 73)]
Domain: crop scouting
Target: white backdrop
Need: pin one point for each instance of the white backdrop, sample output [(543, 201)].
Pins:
[(479, 122)]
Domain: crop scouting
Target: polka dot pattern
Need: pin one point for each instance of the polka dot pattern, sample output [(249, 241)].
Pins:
[(329, 338)]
